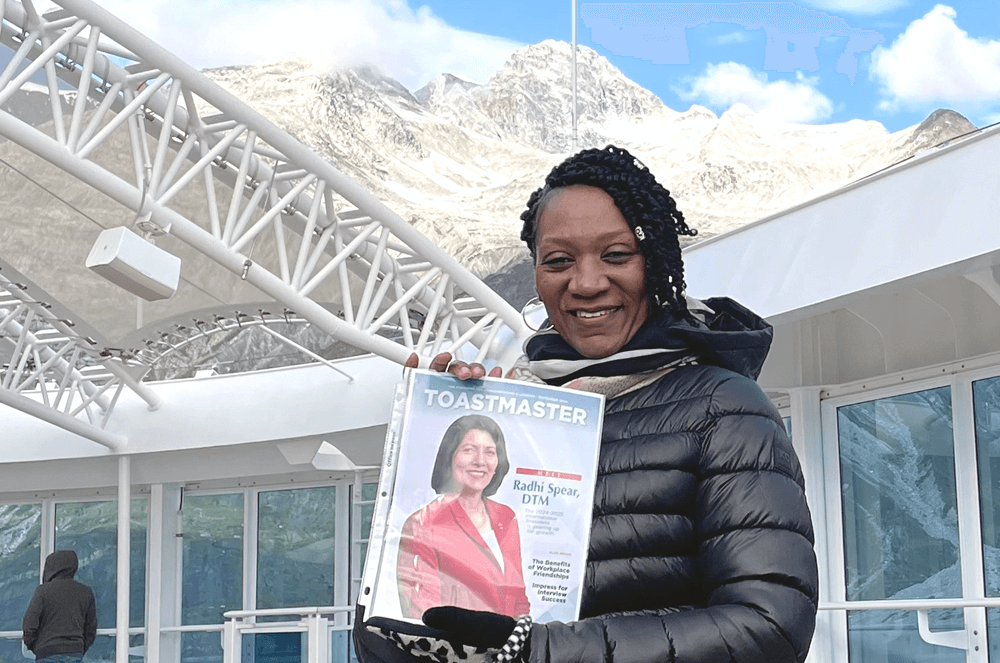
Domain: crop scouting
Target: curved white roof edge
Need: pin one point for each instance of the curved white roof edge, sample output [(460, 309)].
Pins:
[(940, 210), (309, 401)]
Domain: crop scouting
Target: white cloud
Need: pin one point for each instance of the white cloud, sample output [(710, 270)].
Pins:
[(738, 37), (864, 7), (935, 60), (411, 45), (728, 83)]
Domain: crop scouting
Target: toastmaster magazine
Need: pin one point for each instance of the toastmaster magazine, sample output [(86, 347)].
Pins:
[(485, 499)]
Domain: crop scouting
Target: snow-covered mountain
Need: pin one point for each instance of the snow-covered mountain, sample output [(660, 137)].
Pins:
[(529, 100), (459, 159), (456, 158)]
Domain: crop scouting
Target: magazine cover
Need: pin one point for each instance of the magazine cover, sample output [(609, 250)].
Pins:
[(484, 500)]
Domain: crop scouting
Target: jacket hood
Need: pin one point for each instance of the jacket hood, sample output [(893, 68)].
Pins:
[(732, 336), (60, 564)]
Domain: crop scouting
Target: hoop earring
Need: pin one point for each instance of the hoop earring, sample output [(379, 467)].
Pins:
[(532, 303)]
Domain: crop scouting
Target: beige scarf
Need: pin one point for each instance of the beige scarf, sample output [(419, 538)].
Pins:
[(611, 387)]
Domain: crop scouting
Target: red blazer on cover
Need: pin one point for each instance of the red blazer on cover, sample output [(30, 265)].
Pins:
[(443, 560)]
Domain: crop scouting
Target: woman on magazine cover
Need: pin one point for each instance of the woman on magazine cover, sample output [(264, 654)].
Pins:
[(464, 549), (701, 546)]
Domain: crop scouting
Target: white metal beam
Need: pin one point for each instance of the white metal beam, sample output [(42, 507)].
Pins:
[(185, 134), (48, 359), (72, 424), (302, 196), (124, 550)]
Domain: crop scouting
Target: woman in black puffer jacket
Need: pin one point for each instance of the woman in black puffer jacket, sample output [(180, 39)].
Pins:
[(701, 545)]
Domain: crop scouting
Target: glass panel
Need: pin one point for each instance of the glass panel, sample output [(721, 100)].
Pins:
[(900, 520), (366, 512), (352, 655), (295, 542), (993, 633), (136, 647), (341, 647), (91, 529), (201, 648), (986, 403), (213, 561), (368, 492), (20, 554), (891, 636), (274, 647), (10, 648), (358, 567), (103, 649), (137, 562)]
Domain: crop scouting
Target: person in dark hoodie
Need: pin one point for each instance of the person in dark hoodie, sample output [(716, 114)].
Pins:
[(60, 623), (701, 545)]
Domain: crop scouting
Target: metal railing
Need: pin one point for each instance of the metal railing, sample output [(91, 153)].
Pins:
[(315, 622), (317, 625), (961, 639), (135, 630)]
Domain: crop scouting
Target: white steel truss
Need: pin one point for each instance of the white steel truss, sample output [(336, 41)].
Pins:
[(51, 370), (187, 135), (171, 339)]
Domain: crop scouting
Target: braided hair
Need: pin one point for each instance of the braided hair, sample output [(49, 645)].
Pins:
[(642, 201)]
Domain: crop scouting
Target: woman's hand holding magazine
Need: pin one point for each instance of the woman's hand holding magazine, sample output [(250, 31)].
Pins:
[(448, 628), (443, 363), (474, 627)]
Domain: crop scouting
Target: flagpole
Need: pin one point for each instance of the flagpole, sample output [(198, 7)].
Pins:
[(574, 77)]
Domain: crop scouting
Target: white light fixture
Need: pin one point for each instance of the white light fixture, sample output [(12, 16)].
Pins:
[(132, 263), (331, 459), (319, 453)]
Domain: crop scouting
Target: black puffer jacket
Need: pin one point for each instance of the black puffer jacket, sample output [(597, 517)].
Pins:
[(701, 547)]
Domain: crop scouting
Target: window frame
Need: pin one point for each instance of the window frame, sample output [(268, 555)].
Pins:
[(966, 485)]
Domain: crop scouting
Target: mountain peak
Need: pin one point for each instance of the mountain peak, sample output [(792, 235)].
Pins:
[(697, 112), (374, 77), (444, 85), (940, 127), (738, 110), (945, 121), (556, 57), (530, 97)]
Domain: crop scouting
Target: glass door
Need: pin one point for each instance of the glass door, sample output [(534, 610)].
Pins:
[(986, 408), (907, 494)]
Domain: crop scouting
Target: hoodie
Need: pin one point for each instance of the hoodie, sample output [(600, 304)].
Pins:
[(62, 615)]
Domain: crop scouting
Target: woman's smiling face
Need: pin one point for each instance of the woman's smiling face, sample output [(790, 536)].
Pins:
[(589, 271), (474, 462)]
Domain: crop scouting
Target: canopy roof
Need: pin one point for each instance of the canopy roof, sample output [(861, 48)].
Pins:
[(898, 270)]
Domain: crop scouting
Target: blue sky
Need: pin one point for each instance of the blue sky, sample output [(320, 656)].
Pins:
[(912, 56), (815, 61)]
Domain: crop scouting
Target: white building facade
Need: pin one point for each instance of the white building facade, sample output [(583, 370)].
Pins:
[(885, 298)]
